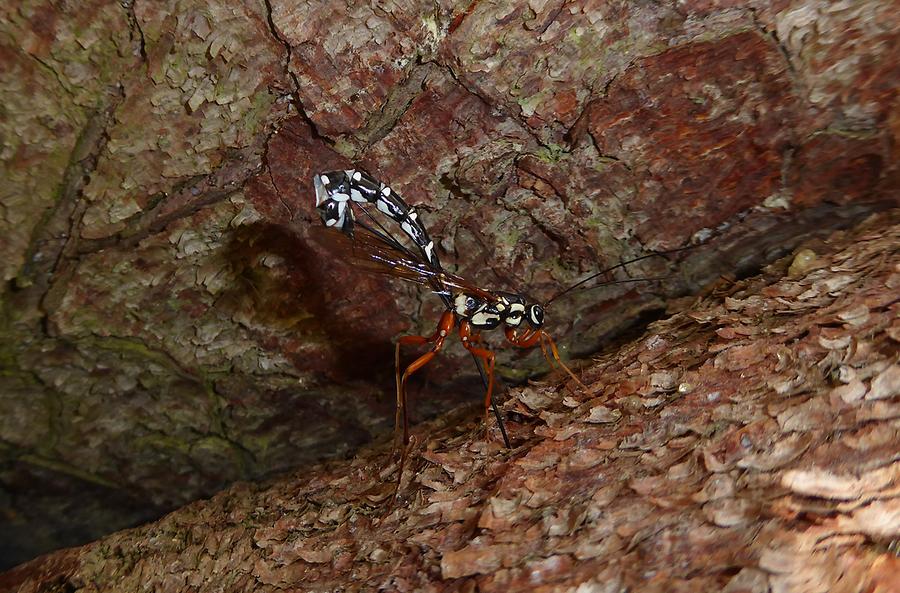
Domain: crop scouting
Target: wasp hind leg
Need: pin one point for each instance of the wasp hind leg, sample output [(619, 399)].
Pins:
[(401, 417)]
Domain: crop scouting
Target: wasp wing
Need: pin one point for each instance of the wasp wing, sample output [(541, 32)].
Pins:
[(371, 251)]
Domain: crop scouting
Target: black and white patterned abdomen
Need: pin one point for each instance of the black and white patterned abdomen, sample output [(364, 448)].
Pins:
[(336, 190)]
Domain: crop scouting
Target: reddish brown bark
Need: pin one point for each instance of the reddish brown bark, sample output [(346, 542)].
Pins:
[(746, 443), (168, 326)]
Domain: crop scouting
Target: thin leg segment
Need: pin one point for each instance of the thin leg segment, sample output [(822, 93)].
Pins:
[(445, 325), (468, 341), (533, 337), (555, 352)]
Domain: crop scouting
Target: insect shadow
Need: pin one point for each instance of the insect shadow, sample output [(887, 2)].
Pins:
[(281, 282)]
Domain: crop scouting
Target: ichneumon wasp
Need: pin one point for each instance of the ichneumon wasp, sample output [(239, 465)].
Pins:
[(469, 309)]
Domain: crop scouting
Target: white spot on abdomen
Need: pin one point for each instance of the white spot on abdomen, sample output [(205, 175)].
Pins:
[(383, 207)]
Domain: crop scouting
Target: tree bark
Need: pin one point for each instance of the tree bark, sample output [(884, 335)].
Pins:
[(747, 443), (168, 326)]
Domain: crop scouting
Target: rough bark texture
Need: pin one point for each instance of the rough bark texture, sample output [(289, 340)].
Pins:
[(748, 443), (167, 327)]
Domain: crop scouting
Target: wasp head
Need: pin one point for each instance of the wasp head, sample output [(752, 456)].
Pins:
[(534, 313), (515, 308)]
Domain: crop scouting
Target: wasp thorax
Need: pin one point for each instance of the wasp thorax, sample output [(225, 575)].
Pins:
[(480, 312), (500, 308)]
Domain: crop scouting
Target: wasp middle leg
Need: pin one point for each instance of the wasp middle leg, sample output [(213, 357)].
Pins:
[(471, 342)]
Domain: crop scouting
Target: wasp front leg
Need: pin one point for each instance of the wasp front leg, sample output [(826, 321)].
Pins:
[(527, 339), (532, 337)]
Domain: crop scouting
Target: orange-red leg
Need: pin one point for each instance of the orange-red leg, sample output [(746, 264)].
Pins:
[(400, 411), (559, 361), (469, 341), (445, 325), (528, 339), (532, 337)]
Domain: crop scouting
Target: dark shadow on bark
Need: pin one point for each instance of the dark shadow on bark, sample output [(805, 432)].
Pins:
[(296, 300)]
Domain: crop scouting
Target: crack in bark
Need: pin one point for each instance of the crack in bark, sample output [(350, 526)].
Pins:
[(66, 469), (219, 185), (268, 168), (135, 26), (501, 108), (57, 235), (554, 14), (773, 37), (787, 161), (580, 128), (398, 102), (64, 85), (295, 98)]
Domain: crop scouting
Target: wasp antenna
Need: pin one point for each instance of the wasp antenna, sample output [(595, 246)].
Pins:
[(627, 281), (583, 281), (612, 282)]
